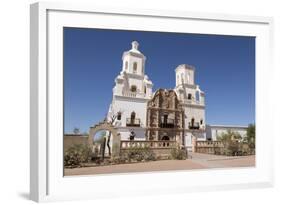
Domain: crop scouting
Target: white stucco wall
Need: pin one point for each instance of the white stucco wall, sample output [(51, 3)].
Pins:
[(137, 82), (131, 60), (214, 131), (125, 133), (188, 140), (128, 105), (197, 113), (184, 74)]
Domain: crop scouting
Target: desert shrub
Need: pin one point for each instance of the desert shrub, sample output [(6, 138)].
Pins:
[(178, 153), (233, 148), (76, 155), (232, 143), (118, 160), (149, 155), (140, 154)]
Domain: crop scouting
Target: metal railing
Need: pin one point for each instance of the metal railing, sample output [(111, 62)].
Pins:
[(170, 123), (133, 122), (194, 126)]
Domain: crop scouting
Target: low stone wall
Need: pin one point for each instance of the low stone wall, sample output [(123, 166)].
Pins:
[(160, 148), (208, 147), (162, 153), (72, 139)]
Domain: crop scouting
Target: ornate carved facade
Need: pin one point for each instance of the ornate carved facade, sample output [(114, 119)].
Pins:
[(165, 117)]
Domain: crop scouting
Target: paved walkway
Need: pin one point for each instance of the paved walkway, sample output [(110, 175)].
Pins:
[(198, 161), (219, 161)]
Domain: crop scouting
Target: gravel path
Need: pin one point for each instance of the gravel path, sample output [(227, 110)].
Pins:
[(218, 161), (198, 161)]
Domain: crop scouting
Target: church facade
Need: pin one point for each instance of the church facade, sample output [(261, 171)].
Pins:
[(176, 115)]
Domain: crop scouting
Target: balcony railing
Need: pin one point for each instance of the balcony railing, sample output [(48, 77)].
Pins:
[(194, 126), (133, 122), (209, 144), (133, 94), (126, 144), (170, 123)]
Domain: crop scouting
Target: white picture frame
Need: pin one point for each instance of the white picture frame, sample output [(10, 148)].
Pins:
[(46, 160)]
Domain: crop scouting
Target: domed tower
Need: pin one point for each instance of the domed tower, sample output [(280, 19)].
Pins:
[(134, 60), (186, 88), (131, 93), (132, 81)]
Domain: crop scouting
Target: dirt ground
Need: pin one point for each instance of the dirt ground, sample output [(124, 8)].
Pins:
[(195, 161)]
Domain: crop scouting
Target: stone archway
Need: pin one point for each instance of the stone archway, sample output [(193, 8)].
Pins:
[(115, 136)]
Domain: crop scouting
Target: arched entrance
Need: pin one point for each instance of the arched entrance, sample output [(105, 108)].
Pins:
[(114, 137), (165, 138)]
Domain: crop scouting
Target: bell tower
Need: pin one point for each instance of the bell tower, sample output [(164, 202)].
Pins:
[(185, 75), (134, 60)]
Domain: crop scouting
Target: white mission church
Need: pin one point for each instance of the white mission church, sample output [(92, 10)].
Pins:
[(173, 115)]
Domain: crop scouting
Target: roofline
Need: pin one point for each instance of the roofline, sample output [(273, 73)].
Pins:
[(229, 126), (185, 66)]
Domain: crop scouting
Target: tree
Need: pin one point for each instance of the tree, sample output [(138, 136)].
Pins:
[(229, 136), (111, 118), (231, 141), (76, 131), (251, 136)]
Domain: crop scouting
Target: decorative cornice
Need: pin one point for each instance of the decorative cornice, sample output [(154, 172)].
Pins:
[(131, 99), (185, 85), (122, 128), (185, 66), (136, 76), (228, 126), (138, 55), (193, 105), (166, 109)]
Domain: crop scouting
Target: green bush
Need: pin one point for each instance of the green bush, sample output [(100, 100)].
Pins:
[(76, 155), (179, 154), (233, 144), (234, 148)]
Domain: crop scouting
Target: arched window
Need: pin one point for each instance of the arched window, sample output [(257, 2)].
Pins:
[(145, 89), (119, 116), (133, 117), (197, 96), (189, 96), (133, 88), (192, 122), (165, 138), (201, 122), (135, 66), (126, 65)]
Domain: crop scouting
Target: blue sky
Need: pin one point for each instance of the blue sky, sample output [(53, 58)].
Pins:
[(225, 71)]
